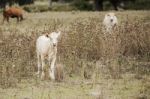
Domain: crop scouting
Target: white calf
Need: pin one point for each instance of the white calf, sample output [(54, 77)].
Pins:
[(110, 21), (46, 47)]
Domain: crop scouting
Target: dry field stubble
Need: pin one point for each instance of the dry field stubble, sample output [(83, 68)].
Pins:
[(111, 66)]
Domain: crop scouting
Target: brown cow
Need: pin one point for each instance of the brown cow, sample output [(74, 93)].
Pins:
[(13, 13)]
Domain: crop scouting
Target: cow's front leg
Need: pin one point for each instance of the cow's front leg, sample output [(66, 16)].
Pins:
[(4, 20), (52, 68)]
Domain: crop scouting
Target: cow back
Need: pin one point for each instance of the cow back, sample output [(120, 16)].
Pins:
[(13, 12)]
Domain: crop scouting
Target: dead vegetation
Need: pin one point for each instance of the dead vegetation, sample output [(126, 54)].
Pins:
[(84, 50)]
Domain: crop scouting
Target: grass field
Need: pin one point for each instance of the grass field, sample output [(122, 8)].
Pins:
[(96, 65)]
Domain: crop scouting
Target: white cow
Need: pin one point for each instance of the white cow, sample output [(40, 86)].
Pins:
[(109, 22), (46, 47)]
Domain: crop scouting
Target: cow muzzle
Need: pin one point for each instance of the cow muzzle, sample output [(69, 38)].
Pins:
[(54, 45), (111, 20)]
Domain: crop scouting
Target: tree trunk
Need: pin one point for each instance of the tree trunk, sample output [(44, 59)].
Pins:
[(50, 3), (115, 4), (98, 5), (3, 3), (24, 2), (61, 1)]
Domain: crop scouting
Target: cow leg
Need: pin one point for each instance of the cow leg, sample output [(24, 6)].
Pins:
[(4, 20), (17, 19), (52, 68), (43, 65), (8, 19), (39, 64), (21, 17)]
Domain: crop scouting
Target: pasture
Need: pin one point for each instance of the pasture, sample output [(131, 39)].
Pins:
[(96, 65)]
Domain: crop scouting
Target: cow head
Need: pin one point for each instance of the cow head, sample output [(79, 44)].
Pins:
[(54, 38), (110, 18)]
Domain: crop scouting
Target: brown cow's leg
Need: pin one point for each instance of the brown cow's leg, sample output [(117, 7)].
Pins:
[(3, 20), (8, 19), (17, 19), (21, 18)]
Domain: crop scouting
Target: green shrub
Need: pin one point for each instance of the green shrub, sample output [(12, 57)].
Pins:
[(82, 5), (139, 5), (36, 8), (44, 8), (63, 7)]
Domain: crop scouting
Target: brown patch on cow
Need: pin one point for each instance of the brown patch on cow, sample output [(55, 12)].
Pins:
[(13, 13), (59, 73)]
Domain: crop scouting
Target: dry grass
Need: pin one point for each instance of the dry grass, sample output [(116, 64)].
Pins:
[(92, 60)]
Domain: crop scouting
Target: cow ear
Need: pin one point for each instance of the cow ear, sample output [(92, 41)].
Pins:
[(47, 35), (59, 32)]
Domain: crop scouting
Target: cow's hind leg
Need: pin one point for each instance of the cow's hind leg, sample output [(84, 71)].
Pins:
[(38, 64), (43, 65)]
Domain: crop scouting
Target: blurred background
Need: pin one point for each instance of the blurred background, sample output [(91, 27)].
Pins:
[(73, 5), (111, 66)]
